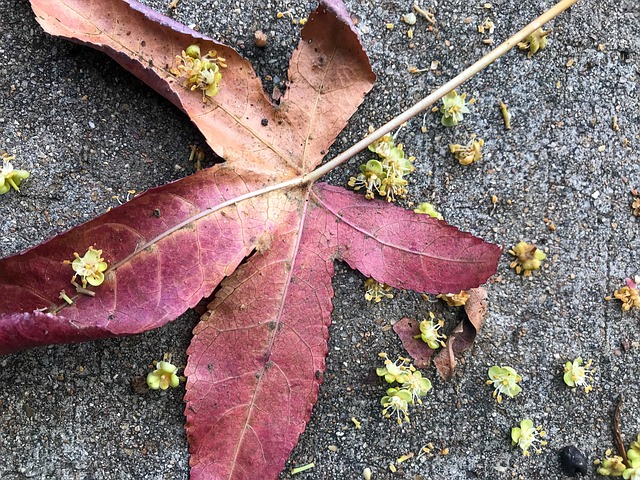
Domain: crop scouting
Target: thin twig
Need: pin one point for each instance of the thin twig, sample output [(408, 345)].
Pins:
[(432, 98)]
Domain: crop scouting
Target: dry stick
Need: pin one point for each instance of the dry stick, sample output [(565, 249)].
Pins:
[(458, 80)]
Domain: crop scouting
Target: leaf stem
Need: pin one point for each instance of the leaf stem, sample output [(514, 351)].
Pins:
[(432, 98)]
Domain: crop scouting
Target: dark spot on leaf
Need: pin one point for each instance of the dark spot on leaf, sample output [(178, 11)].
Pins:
[(150, 63), (271, 325), (318, 375), (143, 43), (264, 122), (268, 365), (156, 213), (210, 367), (322, 152), (111, 317)]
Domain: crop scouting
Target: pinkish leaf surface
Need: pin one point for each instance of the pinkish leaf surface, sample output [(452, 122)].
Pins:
[(407, 329), (257, 357)]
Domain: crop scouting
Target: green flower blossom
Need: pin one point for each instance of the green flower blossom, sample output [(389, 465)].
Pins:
[(612, 466), (504, 381), (529, 258), (527, 436), (164, 376), (575, 375), (386, 175), (9, 176), (633, 471), (417, 386), (535, 42), (467, 154), (200, 72), (398, 371), (429, 332), (453, 108), (89, 267), (376, 291), (396, 401)]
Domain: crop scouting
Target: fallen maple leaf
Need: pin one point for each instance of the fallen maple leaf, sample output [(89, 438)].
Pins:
[(460, 340), (258, 354)]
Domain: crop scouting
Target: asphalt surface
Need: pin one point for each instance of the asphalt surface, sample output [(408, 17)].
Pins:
[(88, 131)]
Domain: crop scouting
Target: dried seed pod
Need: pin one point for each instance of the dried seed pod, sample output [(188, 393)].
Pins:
[(573, 461)]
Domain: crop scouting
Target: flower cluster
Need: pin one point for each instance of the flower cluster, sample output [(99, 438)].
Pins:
[(9, 176), (413, 386), (90, 267), (200, 72), (430, 334), (467, 154), (615, 466), (386, 175), (529, 258), (428, 209), (376, 291), (504, 381), (611, 466), (453, 108), (527, 436), (454, 299), (164, 376), (534, 42), (576, 375), (629, 295)]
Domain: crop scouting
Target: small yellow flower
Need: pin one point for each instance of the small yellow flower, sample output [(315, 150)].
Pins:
[(467, 154), (396, 401), (453, 108), (430, 334), (527, 436), (200, 72), (504, 381), (398, 371), (376, 291), (629, 295), (529, 258), (612, 466), (576, 375), (164, 376), (534, 42), (90, 267), (9, 176), (636, 207), (454, 299)]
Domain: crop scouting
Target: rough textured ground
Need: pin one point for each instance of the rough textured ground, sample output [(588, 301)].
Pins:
[(88, 130)]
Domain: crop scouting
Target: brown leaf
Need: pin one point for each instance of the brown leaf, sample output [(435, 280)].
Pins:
[(460, 339), (463, 336)]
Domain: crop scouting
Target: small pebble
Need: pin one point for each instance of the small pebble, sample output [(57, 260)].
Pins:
[(366, 473), (573, 461)]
